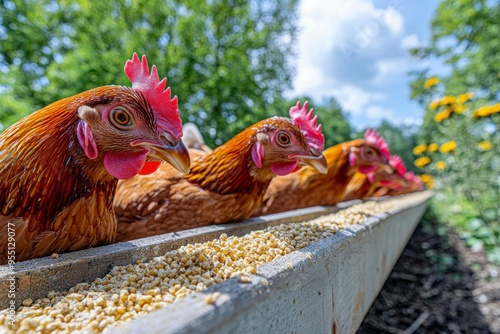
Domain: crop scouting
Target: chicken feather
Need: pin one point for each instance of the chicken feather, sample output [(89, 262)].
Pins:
[(223, 185), (57, 164), (309, 188)]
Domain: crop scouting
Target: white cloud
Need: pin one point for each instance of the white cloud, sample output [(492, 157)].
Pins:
[(312, 82), (342, 38), (378, 112), (392, 18), (389, 68), (354, 99), (357, 53), (410, 41), (411, 121)]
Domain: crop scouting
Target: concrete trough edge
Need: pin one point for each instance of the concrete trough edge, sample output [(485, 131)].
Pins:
[(326, 287), (35, 278)]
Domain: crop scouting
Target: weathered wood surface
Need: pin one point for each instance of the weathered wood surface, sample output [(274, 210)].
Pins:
[(329, 293), (35, 278)]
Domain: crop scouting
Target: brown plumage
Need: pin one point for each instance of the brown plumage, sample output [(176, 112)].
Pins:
[(223, 185), (309, 188), (382, 184), (56, 169), (392, 181), (408, 186)]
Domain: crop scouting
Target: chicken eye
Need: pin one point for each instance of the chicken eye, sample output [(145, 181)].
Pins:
[(121, 118), (369, 153), (283, 138)]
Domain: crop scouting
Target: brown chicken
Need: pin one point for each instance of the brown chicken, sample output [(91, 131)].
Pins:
[(60, 165), (309, 188), (377, 183), (410, 183), (225, 185)]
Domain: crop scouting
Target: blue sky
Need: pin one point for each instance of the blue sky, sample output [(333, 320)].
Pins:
[(356, 51)]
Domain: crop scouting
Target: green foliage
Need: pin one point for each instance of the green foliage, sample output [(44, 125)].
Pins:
[(468, 133), (226, 60), (465, 38), (470, 181), (431, 224), (454, 209)]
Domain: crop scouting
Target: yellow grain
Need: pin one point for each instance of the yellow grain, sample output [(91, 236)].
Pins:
[(128, 292)]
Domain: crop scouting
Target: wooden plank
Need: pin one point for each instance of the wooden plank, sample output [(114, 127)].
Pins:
[(35, 278), (329, 293)]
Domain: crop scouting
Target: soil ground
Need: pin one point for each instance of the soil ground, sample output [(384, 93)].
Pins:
[(437, 286)]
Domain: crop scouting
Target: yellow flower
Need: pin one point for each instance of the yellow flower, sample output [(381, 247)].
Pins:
[(495, 108), (487, 110), (440, 165), (423, 161), (431, 82), (458, 108), (483, 111), (447, 100), (448, 146), (428, 180), (485, 145), (434, 104), (425, 177), (441, 116), (419, 149), (432, 147), (462, 98)]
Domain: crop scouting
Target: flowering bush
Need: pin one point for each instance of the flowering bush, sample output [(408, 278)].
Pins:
[(461, 159)]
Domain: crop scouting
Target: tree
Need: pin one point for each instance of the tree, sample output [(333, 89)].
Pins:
[(28, 30), (463, 117), (465, 37), (226, 60), (244, 69)]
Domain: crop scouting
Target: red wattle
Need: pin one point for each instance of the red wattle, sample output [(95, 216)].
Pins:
[(284, 168), (150, 167), (385, 183), (124, 165), (366, 169)]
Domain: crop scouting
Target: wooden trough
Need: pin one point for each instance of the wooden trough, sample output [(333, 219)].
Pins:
[(328, 293)]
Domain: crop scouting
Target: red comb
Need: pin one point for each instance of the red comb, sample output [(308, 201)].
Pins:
[(397, 163), (307, 124), (166, 109), (410, 176), (372, 136)]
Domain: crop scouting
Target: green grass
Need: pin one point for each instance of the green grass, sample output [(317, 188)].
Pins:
[(454, 210)]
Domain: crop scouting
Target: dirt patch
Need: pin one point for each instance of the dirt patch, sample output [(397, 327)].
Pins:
[(437, 286)]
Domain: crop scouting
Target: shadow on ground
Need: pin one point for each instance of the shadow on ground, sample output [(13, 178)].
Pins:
[(433, 289)]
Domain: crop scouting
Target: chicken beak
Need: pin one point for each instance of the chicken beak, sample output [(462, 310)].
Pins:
[(316, 161), (176, 155), (386, 168)]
